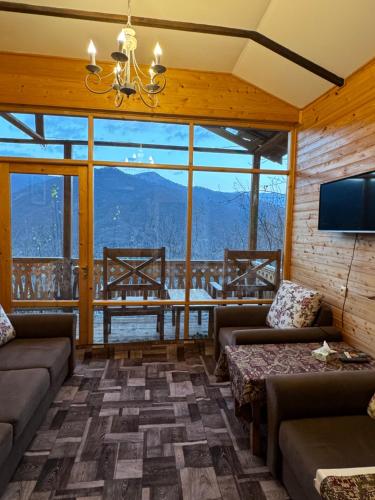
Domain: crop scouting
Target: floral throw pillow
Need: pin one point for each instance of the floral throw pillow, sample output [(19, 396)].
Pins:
[(371, 407), (7, 332), (294, 306)]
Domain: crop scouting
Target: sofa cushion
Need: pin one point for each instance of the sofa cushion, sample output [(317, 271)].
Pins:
[(6, 441), (50, 353), (293, 307), (323, 443), (7, 332), (21, 392)]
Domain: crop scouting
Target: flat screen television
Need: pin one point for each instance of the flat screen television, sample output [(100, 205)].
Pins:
[(348, 205)]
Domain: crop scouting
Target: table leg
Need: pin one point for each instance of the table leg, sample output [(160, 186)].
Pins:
[(255, 434), (210, 322), (178, 318), (237, 409)]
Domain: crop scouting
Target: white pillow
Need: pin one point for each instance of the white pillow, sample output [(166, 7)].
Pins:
[(7, 332), (294, 306)]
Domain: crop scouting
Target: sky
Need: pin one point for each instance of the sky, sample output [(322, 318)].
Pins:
[(142, 133)]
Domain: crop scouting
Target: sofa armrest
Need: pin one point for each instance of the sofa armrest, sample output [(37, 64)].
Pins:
[(33, 326), (286, 335), (232, 316), (313, 395)]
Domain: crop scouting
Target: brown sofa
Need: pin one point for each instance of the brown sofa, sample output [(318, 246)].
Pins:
[(33, 367), (318, 421), (236, 325)]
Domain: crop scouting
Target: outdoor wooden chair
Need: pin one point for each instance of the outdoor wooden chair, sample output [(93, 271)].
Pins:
[(242, 276), (130, 274)]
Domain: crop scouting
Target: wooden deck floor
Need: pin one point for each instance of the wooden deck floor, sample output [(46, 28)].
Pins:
[(143, 328)]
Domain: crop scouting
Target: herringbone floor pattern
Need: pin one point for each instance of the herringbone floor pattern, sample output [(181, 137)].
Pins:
[(144, 425)]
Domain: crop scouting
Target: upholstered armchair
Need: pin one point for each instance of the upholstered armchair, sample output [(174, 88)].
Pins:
[(236, 325)]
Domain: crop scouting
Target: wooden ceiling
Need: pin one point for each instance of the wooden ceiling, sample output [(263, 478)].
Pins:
[(340, 39)]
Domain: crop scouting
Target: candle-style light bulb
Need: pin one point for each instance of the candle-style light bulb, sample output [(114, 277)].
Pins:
[(92, 52), (151, 71), (157, 53), (117, 69), (121, 40)]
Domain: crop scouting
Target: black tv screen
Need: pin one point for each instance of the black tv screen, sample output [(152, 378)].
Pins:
[(348, 205)]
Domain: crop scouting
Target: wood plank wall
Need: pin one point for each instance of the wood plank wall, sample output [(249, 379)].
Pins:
[(57, 82), (337, 139)]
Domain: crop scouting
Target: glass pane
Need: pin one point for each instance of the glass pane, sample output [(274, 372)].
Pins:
[(221, 146), (73, 128), (221, 215), (140, 218), (44, 217), (43, 136), (271, 214), (141, 142), (282, 164)]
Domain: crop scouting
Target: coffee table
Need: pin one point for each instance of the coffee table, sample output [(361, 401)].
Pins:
[(195, 294), (248, 366)]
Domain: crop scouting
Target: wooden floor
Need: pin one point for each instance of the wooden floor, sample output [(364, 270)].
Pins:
[(147, 424)]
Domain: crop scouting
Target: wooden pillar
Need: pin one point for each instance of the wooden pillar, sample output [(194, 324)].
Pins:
[(5, 239), (67, 231), (254, 205)]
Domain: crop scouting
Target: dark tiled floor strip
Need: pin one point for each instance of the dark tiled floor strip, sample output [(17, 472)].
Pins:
[(147, 424)]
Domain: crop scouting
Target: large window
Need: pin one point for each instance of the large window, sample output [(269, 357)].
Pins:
[(176, 209)]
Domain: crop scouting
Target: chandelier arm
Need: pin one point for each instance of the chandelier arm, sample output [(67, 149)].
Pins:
[(162, 86), (148, 91), (94, 91), (141, 85), (136, 66), (153, 100), (119, 100)]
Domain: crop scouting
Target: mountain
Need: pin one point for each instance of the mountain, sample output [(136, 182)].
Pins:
[(141, 210)]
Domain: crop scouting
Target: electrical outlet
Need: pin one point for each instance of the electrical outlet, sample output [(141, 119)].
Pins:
[(343, 290)]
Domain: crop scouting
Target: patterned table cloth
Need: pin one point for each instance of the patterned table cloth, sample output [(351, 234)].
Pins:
[(348, 487), (247, 366)]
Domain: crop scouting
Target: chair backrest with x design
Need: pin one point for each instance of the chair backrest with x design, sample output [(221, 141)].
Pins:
[(242, 271), (138, 271)]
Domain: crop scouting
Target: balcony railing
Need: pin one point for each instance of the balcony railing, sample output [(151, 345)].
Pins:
[(42, 278)]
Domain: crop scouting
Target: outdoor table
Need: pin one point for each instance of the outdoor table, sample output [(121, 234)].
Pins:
[(248, 366), (195, 294)]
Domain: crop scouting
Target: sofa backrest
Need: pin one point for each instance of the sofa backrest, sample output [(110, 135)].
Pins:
[(324, 316)]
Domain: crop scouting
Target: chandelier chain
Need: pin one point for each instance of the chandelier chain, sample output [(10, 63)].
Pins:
[(129, 13)]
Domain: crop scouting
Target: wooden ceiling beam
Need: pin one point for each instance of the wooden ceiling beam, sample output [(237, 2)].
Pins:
[(263, 40), (21, 126), (225, 134), (271, 143), (39, 124), (78, 142)]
